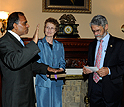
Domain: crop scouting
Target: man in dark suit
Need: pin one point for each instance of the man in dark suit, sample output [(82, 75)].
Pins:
[(107, 91), (17, 63)]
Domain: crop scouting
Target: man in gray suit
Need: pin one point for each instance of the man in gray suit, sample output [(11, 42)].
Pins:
[(18, 62)]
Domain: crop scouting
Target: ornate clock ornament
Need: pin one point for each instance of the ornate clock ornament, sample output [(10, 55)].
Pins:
[(67, 27)]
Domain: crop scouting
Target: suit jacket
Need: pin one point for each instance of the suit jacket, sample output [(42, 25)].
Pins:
[(17, 64), (114, 60)]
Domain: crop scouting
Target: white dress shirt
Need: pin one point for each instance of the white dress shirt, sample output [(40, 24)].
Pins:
[(15, 35), (104, 48)]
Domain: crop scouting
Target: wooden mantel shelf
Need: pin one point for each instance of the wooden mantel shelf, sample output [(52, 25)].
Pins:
[(70, 44), (76, 50), (75, 44)]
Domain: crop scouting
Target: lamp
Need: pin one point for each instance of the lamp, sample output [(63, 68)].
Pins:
[(3, 20)]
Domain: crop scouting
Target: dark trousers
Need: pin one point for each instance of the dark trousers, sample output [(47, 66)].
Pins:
[(97, 99)]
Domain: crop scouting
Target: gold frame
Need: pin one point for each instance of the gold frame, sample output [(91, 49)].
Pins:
[(46, 7)]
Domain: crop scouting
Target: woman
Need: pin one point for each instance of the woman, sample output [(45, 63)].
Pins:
[(49, 92)]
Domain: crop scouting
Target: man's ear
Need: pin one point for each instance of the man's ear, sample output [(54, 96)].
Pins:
[(106, 27), (15, 26)]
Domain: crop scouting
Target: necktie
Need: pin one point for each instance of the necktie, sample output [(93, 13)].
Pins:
[(22, 42), (97, 63)]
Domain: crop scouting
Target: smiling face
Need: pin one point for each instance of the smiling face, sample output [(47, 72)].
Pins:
[(22, 27), (50, 29), (99, 31)]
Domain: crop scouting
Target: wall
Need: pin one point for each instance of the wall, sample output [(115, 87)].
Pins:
[(112, 9)]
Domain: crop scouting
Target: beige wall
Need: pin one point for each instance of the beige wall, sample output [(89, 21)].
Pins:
[(112, 9)]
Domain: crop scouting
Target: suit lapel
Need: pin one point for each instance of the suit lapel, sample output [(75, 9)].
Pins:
[(109, 50)]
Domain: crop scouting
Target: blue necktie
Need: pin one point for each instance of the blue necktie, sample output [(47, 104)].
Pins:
[(22, 42)]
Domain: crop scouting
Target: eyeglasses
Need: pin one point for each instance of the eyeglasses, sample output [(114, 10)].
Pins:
[(50, 28), (98, 31)]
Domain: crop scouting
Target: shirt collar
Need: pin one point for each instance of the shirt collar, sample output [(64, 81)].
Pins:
[(15, 35), (106, 38)]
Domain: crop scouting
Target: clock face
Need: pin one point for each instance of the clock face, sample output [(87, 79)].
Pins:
[(68, 29)]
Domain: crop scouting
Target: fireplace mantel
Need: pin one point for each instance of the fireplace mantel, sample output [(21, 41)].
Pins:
[(76, 50)]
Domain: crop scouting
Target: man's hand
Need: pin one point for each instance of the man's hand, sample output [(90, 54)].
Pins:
[(103, 71), (36, 34), (60, 70), (86, 71), (52, 70)]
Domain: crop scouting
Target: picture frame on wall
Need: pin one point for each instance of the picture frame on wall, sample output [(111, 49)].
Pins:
[(66, 6)]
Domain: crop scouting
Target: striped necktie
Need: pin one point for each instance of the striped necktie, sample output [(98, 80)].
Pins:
[(96, 77)]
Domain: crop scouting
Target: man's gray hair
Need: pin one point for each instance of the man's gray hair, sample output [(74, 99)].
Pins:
[(99, 20)]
